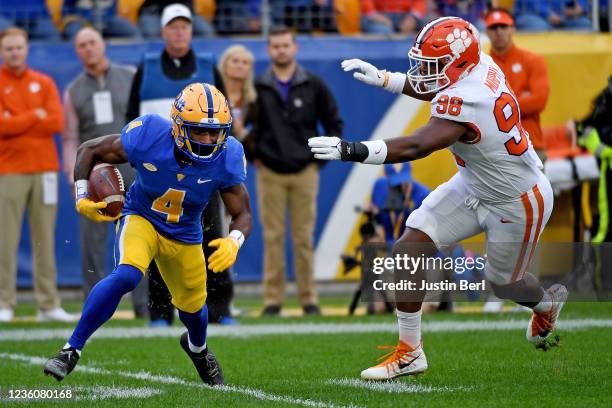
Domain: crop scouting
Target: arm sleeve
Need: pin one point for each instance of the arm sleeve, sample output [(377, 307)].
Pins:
[(54, 122), (133, 107), (539, 88), (131, 138), (235, 165), (11, 126), (327, 110), (70, 137)]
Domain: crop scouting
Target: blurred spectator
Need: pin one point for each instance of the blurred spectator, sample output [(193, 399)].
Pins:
[(77, 14), (595, 131), (150, 14), (238, 16), (604, 15), (31, 15), (290, 103), (389, 16), (469, 10), (157, 81), (305, 15), (394, 197), (302, 15), (31, 112), (95, 103), (236, 68), (525, 71), (544, 15)]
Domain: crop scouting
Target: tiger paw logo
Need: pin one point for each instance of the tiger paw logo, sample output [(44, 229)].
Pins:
[(459, 41)]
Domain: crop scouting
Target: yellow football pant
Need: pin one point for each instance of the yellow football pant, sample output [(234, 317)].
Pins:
[(182, 266)]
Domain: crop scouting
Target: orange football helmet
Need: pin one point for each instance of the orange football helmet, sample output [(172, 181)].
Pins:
[(200, 107), (444, 51)]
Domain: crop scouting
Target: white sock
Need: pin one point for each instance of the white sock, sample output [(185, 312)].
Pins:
[(67, 345), (409, 327), (195, 349), (545, 304)]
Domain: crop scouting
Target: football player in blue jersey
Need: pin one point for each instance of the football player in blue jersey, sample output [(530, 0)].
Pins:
[(179, 165)]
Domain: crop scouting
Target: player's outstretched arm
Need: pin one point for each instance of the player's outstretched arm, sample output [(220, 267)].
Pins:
[(394, 82), (106, 149), (437, 134), (238, 204)]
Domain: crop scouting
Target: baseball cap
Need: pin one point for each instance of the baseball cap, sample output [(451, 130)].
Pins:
[(173, 11), (395, 177), (501, 17)]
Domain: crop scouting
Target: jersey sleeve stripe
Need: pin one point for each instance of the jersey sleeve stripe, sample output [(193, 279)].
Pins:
[(476, 130)]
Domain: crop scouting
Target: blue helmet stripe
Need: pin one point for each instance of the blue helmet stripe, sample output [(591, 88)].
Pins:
[(209, 101)]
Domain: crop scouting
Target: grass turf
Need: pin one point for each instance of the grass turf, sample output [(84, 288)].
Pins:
[(481, 368)]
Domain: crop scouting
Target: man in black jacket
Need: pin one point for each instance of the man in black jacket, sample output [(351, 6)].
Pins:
[(290, 103)]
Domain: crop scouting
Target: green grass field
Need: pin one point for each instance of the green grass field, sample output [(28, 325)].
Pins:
[(475, 360)]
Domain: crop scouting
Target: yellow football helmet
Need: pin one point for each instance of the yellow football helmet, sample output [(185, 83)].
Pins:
[(200, 108)]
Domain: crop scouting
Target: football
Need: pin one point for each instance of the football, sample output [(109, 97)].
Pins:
[(106, 184)]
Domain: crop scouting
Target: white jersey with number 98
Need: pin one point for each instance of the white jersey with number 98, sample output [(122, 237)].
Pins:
[(500, 164)]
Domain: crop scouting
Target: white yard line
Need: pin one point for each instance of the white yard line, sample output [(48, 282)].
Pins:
[(101, 392), (244, 331), (394, 387), (163, 379)]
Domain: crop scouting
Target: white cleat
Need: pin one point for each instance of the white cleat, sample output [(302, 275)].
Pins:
[(6, 315), (56, 314), (542, 325), (403, 360), (493, 304)]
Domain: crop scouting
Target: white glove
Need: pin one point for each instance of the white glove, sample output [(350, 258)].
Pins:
[(325, 148), (366, 72)]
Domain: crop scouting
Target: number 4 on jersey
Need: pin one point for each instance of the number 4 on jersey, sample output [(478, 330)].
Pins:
[(171, 204)]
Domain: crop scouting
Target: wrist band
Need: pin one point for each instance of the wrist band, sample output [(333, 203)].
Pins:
[(81, 189), (238, 236), (353, 151), (395, 83), (377, 152), (386, 80)]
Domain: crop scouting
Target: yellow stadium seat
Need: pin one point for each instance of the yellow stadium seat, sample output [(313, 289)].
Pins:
[(506, 4), (205, 8), (55, 9), (129, 9), (348, 15)]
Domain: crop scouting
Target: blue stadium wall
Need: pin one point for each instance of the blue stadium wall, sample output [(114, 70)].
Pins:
[(360, 106)]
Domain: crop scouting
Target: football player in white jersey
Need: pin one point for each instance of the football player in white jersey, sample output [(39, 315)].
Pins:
[(500, 188)]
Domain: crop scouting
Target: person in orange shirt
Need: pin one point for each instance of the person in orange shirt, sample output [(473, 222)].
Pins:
[(30, 113), (386, 17), (525, 71)]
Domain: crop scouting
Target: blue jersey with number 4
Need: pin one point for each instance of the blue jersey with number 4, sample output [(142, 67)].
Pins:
[(170, 195)]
